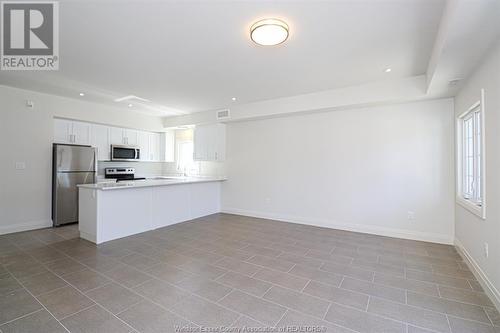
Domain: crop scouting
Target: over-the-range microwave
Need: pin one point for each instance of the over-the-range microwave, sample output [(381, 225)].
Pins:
[(125, 153)]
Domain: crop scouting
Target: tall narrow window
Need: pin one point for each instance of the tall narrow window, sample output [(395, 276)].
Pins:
[(471, 164)]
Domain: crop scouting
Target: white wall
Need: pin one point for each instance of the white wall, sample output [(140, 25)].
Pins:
[(361, 169), (26, 136), (471, 231)]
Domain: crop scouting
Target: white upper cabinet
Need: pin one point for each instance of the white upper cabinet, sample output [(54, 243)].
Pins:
[(73, 132), (100, 140), (155, 147), (143, 143), (122, 136), (168, 146), (210, 142)]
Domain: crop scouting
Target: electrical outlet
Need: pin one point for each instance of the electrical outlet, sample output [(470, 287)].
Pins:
[(20, 165), (486, 250), (411, 215)]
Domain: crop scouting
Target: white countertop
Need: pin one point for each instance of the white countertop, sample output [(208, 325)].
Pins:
[(149, 182)]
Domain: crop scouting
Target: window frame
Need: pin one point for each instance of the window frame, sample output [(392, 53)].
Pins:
[(477, 208)]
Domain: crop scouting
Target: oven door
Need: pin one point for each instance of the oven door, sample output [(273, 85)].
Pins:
[(125, 153)]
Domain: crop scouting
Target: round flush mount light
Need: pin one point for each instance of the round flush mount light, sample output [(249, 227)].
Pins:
[(130, 105), (269, 32), (233, 99), (388, 70), (82, 94)]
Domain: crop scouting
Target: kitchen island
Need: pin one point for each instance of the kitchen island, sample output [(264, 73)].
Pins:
[(110, 211)]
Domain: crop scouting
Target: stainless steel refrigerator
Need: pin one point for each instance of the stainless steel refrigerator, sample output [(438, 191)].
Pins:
[(71, 165)]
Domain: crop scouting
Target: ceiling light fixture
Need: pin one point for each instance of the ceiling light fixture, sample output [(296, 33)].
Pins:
[(269, 32), (387, 70), (130, 105), (233, 99), (82, 94)]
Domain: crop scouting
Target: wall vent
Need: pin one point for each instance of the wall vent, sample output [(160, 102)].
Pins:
[(223, 114)]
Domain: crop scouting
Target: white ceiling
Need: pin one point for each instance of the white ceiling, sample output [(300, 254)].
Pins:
[(190, 56)]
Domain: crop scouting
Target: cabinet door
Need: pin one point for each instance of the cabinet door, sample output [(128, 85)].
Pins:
[(116, 136), (100, 140), (62, 131), (154, 146), (220, 145), (200, 143), (131, 137), (81, 133), (143, 143), (168, 147)]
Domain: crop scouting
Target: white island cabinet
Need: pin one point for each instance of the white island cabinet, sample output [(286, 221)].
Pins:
[(114, 210)]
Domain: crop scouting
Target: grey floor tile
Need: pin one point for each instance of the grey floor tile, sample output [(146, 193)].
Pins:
[(455, 272), (113, 297), (361, 321), (378, 267), (138, 261), (17, 303), (47, 254), (327, 256), (337, 295), (38, 322), (299, 321), (8, 284), (467, 311), (494, 316), (235, 254), (439, 279), (465, 296), (128, 276), (244, 283), (203, 269), (238, 266), (281, 279), (301, 260), (476, 286), (42, 283), (413, 329), (95, 320), (358, 273), (147, 317), (261, 250), (102, 263), (459, 325), (274, 263), (317, 275), (64, 302), (254, 307), (409, 314), (202, 312), (307, 304), (86, 280), (421, 287), (374, 289), (23, 269), (203, 287), (245, 322), (168, 273), (161, 292), (64, 266)]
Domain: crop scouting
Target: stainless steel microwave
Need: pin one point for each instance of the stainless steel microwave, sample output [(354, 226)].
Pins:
[(125, 153)]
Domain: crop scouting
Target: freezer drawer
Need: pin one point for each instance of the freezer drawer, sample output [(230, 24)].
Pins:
[(66, 195)]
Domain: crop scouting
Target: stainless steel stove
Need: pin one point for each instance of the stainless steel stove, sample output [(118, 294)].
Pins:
[(121, 174)]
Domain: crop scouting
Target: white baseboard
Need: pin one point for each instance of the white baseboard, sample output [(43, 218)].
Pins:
[(480, 275), (368, 229), (32, 225)]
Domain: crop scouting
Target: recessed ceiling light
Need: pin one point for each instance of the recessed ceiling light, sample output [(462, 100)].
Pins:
[(234, 98), (269, 32), (82, 94), (388, 70), (130, 105)]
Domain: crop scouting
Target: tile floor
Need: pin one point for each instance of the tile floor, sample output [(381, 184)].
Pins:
[(234, 271)]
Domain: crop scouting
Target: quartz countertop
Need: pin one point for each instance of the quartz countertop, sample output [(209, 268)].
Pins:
[(149, 182)]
